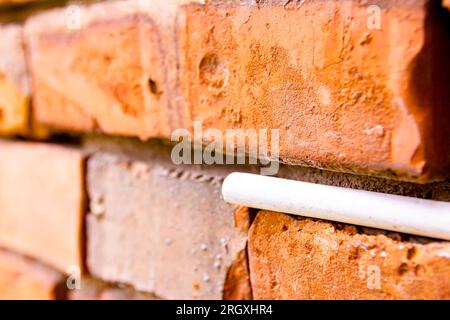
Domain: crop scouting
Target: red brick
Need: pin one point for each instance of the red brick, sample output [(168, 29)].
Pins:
[(296, 258), (21, 278), (344, 97), (41, 202), (159, 227)]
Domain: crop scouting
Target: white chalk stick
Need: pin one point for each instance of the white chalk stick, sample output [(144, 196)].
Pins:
[(371, 209)]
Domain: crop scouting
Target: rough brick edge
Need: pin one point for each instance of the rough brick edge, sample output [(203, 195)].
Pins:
[(237, 284), (419, 254)]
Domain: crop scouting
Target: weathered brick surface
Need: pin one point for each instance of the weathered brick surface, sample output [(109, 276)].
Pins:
[(14, 86), (41, 202), (344, 95), (93, 289), (159, 227), (112, 73), (22, 278), (295, 258)]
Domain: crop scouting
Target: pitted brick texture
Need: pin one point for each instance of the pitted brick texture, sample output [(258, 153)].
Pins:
[(160, 227), (345, 96), (296, 258)]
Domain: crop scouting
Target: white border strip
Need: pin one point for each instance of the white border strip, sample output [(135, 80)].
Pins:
[(371, 209)]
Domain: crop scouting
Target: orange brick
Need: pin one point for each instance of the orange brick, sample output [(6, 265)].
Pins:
[(41, 202), (345, 94), (237, 283), (296, 258), (14, 86), (21, 278), (112, 73), (243, 218)]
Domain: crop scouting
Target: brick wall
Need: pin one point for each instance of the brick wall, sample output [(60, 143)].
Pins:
[(94, 206)]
